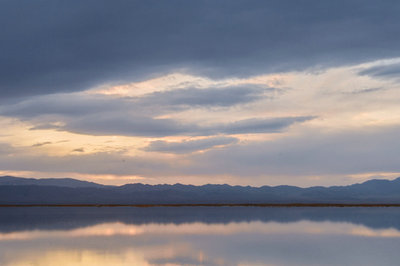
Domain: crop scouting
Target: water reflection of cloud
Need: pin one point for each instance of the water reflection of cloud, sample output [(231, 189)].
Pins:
[(81, 257), (197, 228), (235, 243)]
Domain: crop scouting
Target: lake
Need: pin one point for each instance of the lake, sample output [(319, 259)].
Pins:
[(199, 236)]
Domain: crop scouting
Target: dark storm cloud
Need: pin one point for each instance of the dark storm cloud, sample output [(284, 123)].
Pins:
[(50, 46), (189, 146)]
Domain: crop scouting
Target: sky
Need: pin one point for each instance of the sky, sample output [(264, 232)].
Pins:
[(240, 92)]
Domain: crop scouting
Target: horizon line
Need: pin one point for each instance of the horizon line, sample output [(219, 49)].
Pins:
[(291, 205), (217, 184)]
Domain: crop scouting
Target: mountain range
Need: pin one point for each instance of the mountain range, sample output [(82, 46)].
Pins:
[(29, 191)]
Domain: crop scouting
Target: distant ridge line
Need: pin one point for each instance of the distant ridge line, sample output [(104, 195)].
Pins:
[(70, 192)]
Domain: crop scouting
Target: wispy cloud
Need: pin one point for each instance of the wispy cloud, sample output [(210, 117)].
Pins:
[(78, 150), (189, 146), (41, 144), (209, 97), (150, 127), (383, 71), (364, 91)]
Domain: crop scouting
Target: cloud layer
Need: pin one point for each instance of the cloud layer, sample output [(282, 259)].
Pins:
[(77, 45)]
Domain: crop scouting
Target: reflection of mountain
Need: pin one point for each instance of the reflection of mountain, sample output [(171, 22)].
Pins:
[(70, 191), (21, 218)]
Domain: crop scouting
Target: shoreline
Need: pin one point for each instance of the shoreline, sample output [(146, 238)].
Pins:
[(211, 205)]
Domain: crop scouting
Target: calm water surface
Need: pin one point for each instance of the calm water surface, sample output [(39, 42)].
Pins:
[(199, 236)]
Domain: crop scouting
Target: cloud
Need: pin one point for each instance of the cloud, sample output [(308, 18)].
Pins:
[(364, 91), (108, 163), (266, 125), (139, 116), (190, 145), (150, 127), (68, 104), (78, 150), (287, 159), (74, 46), (311, 153), (43, 126), (41, 144), (382, 71), (209, 97), (128, 126), (80, 104)]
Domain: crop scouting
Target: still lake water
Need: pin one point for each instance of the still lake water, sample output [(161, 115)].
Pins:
[(199, 236)]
